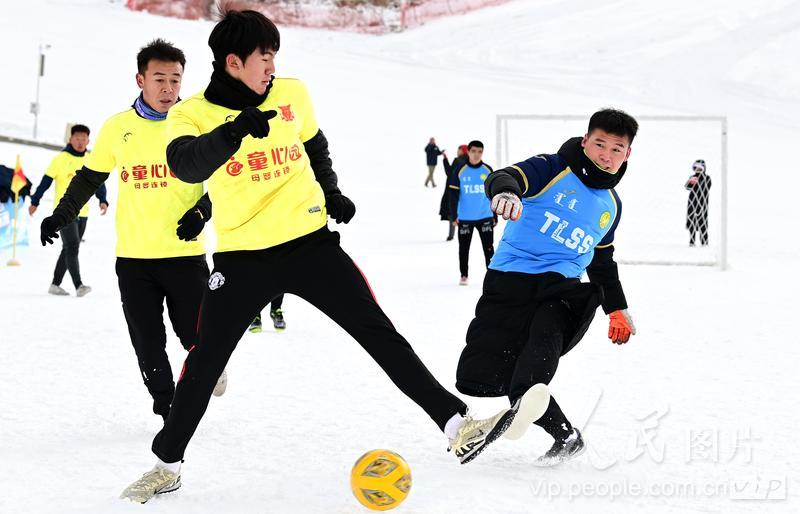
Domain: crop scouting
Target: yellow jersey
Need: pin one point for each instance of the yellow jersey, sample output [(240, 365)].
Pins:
[(61, 169), (151, 199), (266, 194)]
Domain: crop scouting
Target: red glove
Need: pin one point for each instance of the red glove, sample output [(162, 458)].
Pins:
[(620, 327)]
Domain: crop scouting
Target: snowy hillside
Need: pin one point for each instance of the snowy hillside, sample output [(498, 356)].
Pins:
[(715, 360)]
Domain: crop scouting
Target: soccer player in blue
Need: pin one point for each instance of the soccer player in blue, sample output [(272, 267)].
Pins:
[(470, 208), (534, 308)]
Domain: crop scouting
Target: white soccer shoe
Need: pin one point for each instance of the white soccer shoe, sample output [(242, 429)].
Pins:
[(474, 435), (57, 290), (156, 481), (530, 407)]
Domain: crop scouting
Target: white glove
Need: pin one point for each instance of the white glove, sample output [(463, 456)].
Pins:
[(508, 205)]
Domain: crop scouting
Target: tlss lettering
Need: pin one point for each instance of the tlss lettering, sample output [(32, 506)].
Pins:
[(473, 189), (578, 240)]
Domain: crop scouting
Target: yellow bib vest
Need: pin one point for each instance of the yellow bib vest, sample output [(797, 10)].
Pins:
[(62, 168), (151, 199), (266, 194)]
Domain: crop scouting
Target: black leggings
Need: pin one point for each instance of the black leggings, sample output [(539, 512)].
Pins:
[(485, 230), (71, 236), (313, 267)]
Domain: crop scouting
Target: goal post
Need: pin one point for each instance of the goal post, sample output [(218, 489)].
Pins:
[(653, 227)]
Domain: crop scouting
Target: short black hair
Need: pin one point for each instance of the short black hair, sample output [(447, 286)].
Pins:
[(83, 129), (159, 50), (614, 122), (474, 143), (240, 33)]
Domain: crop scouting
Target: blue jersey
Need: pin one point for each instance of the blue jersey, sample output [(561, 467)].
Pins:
[(473, 204), (562, 221)]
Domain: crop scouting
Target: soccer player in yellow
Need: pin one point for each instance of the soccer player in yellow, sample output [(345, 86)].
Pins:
[(256, 141), (153, 263), (61, 170)]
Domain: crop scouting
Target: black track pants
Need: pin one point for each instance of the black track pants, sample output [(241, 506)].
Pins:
[(485, 230), (144, 285), (313, 267), (523, 325), (71, 236)]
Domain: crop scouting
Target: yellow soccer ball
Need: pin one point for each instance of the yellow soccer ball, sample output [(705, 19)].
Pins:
[(380, 480)]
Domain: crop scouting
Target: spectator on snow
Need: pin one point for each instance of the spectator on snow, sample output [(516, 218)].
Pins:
[(698, 186), (432, 154), (444, 206)]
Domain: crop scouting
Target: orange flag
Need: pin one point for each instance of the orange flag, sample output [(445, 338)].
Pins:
[(18, 181)]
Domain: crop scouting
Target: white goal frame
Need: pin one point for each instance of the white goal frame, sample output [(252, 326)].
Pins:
[(503, 159)]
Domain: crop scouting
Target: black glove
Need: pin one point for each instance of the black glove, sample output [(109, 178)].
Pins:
[(191, 224), (49, 229), (340, 208), (25, 191), (252, 121)]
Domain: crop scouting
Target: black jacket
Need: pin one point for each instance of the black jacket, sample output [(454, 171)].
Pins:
[(453, 187), (444, 205), (432, 154), (6, 175), (602, 270)]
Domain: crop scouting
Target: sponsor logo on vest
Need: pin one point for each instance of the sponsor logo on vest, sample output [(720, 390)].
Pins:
[(316, 208), (216, 280), (605, 218), (234, 168), (564, 194), (127, 136), (286, 112)]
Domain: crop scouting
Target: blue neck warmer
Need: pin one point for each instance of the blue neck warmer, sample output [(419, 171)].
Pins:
[(147, 112)]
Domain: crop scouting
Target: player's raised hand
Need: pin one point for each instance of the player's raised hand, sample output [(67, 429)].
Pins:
[(252, 121), (620, 327), (508, 205)]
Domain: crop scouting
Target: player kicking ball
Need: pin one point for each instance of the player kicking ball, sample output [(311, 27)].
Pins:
[(255, 140), (534, 309)]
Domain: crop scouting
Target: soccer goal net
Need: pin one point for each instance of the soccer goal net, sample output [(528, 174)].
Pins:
[(661, 206)]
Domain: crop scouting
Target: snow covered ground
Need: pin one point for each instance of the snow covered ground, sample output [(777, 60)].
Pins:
[(696, 414)]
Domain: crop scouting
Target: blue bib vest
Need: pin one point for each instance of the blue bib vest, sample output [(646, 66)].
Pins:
[(472, 202), (558, 230)]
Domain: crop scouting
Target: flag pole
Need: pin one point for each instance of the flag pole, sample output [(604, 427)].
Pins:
[(14, 261), (18, 181)]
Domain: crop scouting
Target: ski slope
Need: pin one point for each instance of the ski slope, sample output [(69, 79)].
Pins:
[(696, 414)]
